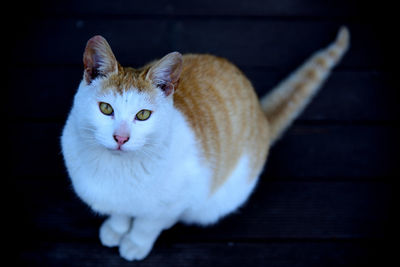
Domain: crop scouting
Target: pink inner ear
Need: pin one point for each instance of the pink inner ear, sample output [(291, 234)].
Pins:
[(92, 68), (98, 58), (168, 88), (165, 73)]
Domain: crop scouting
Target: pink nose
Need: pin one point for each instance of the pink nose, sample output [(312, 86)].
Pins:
[(121, 139)]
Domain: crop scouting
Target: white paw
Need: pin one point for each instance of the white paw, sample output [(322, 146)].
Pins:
[(108, 236), (131, 251)]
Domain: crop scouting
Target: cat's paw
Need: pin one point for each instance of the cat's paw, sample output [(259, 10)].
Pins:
[(108, 236), (130, 251)]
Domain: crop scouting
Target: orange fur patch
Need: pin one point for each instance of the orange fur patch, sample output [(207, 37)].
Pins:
[(126, 79), (312, 74), (333, 54), (221, 106), (321, 62)]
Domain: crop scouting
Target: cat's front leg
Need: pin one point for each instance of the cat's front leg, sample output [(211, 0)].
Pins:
[(137, 244), (113, 229)]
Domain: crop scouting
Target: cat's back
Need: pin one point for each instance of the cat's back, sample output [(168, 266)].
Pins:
[(222, 108)]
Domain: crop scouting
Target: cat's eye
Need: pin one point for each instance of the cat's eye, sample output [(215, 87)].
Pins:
[(106, 108), (143, 115)]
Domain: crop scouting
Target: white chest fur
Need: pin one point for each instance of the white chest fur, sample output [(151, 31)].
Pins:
[(137, 184)]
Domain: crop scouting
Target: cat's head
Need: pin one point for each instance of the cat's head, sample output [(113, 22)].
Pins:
[(125, 109)]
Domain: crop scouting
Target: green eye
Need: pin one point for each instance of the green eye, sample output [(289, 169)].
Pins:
[(143, 115), (106, 108)]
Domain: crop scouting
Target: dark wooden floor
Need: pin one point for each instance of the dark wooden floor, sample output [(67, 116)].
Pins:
[(326, 196)]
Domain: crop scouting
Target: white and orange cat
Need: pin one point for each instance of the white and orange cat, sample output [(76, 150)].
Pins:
[(182, 139)]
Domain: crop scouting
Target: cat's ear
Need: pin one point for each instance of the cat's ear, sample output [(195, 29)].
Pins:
[(165, 73), (98, 59)]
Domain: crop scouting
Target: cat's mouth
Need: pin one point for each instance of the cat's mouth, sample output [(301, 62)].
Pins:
[(117, 149)]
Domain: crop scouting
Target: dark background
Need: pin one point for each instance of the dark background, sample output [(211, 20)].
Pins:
[(326, 197)]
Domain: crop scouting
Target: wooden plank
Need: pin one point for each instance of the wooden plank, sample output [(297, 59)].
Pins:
[(49, 211), (268, 43), (334, 151), (278, 254), (346, 96), (313, 8), (306, 152)]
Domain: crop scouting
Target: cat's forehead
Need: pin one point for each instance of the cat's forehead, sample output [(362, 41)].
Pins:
[(127, 99), (126, 80)]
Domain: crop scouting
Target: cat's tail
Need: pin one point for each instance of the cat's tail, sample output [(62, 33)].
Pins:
[(285, 102)]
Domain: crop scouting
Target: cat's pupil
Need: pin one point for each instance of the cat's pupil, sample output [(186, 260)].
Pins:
[(143, 115), (106, 108)]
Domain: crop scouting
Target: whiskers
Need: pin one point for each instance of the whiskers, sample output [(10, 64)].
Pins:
[(89, 138), (153, 149)]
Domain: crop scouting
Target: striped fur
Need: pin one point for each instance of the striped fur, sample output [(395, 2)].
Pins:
[(289, 98)]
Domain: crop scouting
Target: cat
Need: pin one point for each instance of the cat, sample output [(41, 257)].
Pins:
[(182, 139)]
